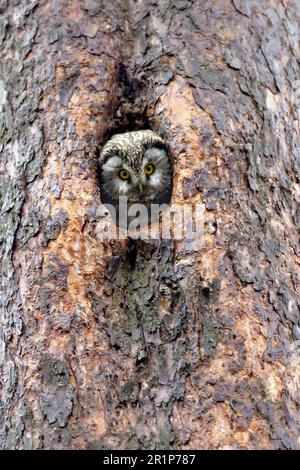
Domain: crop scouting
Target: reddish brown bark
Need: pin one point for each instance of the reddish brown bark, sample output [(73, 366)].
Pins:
[(185, 349)]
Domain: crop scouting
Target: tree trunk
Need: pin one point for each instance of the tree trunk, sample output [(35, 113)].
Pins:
[(184, 349)]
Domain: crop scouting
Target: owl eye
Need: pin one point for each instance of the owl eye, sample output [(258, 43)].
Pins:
[(124, 174), (149, 169)]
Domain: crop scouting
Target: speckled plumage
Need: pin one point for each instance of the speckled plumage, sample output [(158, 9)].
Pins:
[(132, 151)]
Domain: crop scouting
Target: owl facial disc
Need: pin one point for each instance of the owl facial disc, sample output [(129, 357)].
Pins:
[(135, 165)]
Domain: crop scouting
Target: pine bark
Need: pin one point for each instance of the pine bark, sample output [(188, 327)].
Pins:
[(183, 350)]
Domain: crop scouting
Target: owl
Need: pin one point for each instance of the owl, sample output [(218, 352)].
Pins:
[(135, 169)]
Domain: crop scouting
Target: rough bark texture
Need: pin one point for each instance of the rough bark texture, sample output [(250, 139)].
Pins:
[(183, 350)]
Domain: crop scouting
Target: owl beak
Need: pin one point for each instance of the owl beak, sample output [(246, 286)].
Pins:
[(141, 187)]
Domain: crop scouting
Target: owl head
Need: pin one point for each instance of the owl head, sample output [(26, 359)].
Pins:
[(135, 165)]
